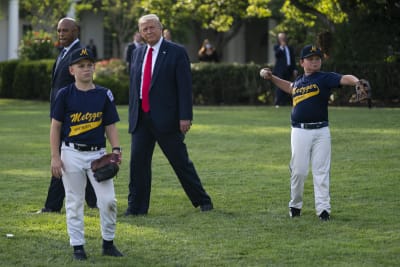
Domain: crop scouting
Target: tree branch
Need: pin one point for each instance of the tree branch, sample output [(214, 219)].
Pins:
[(307, 9)]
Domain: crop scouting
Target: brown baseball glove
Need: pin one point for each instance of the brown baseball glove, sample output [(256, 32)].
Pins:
[(363, 91), (106, 167)]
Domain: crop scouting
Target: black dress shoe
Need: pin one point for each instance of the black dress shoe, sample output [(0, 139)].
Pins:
[(47, 210), (206, 207), (112, 251), (80, 255), (130, 213)]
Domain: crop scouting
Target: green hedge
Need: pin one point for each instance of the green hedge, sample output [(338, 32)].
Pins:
[(213, 83), (217, 84)]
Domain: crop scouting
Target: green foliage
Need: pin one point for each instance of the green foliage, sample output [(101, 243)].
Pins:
[(213, 84), (120, 18), (36, 82), (113, 75), (241, 155), (7, 78), (217, 84), (356, 27), (37, 45), (44, 14)]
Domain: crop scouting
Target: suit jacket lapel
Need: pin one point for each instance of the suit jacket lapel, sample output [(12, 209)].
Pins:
[(142, 53), (159, 61), (64, 59)]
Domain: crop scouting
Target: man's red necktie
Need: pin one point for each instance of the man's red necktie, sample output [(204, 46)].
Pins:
[(147, 81)]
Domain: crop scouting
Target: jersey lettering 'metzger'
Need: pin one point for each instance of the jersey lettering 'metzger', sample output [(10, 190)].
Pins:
[(303, 93), (88, 116)]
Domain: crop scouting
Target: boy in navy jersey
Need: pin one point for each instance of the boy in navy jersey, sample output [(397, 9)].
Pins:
[(84, 115), (310, 136)]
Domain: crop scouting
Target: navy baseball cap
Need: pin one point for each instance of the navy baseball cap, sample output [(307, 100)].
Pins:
[(310, 50), (80, 54)]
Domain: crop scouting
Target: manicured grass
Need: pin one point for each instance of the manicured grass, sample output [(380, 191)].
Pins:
[(242, 156)]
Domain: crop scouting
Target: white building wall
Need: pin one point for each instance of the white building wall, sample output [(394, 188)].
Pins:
[(13, 29), (235, 50), (3, 34), (92, 28)]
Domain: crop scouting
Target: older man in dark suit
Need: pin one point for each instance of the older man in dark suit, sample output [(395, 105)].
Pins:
[(67, 31), (160, 110), (285, 67)]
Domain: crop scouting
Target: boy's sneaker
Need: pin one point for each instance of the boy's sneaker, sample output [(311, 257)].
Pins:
[(294, 212), (80, 255), (324, 216), (112, 251)]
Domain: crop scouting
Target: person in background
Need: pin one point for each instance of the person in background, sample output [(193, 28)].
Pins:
[(68, 32), (207, 52), (92, 46), (136, 43), (160, 111), (167, 35), (285, 68)]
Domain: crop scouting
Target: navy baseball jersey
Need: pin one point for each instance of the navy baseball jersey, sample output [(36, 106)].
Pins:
[(84, 114), (311, 95)]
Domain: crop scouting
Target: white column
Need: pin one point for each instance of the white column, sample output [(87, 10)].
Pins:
[(71, 11), (13, 28)]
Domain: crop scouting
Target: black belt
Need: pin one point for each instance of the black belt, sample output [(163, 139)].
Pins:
[(83, 147), (310, 125)]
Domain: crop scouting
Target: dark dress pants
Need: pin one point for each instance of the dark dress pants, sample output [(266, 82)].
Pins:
[(173, 146), (281, 97), (56, 195)]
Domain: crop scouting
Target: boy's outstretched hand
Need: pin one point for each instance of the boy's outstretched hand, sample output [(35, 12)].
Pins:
[(266, 73)]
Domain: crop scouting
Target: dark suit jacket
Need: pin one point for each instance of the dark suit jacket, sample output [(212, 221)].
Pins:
[(61, 76), (281, 69), (170, 89)]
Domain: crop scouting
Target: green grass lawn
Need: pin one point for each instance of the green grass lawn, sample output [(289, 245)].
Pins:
[(242, 156)]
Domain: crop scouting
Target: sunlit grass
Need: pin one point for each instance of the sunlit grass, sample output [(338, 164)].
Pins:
[(242, 156)]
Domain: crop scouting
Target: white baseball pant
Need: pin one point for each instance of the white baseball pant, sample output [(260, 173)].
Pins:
[(76, 167), (310, 145)]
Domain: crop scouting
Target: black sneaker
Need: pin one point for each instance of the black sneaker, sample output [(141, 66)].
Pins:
[(324, 216), (112, 251), (80, 255), (294, 212)]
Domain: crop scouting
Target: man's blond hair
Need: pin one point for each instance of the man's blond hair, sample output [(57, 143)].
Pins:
[(149, 17)]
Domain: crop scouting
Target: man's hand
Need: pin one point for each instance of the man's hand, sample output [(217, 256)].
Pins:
[(185, 125)]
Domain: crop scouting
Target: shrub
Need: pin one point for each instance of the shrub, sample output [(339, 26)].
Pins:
[(37, 45), (113, 75), (36, 82), (224, 83), (7, 78)]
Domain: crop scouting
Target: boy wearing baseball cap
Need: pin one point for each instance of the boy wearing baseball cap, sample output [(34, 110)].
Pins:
[(310, 135), (83, 114)]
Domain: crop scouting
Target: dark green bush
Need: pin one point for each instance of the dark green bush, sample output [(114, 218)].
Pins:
[(7, 78), (36, 80), (217, 84), (383, 78), (119, 88), (213, 84)]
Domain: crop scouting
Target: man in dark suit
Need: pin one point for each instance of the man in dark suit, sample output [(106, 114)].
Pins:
[(160, 110), (285, 68), (67, 31)]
